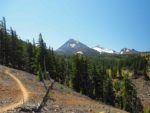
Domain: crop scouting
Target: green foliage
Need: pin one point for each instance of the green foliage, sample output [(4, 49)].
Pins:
[(100, 77), (133, 103), (80, 77), (147, 110), (108, 92), (39, 74)]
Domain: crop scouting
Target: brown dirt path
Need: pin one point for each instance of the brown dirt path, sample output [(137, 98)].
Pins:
[(62, 99), (24, 91)]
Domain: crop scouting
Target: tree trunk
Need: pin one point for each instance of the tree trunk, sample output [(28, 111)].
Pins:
[(46, 97)]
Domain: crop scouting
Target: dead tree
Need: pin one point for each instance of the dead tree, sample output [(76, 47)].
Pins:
[(44, 82), (46, 97)]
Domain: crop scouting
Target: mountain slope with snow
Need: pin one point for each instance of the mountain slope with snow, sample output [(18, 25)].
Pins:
[(104, 50), (128, 51), (75, 47)]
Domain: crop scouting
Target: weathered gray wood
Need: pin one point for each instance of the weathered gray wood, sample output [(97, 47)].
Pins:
[(45, 98)]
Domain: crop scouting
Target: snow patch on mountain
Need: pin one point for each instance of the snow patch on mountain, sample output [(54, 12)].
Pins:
[(121, 52), (103, 50), (72, 45), (79, 52), (128, 51)]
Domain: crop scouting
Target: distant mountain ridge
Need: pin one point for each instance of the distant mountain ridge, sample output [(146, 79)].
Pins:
[(128, 51), (76, 47), (104, 50)]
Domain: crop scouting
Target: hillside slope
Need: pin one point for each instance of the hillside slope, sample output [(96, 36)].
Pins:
[(23, 90), (143, 90), (62, 99)]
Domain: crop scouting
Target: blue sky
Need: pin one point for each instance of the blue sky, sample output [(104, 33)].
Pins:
[(110, 23)]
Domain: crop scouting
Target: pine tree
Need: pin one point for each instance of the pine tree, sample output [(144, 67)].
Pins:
[(118, 86), (41, 53), (29, 57), (76, 78), (98, 83), (62, 70), (4, 26), (120, 71), (52, 64), (39, 74), (1, 43), (108, 93), (132, 102)]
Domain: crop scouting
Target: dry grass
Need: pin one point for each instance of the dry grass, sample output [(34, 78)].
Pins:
[(62, 97)]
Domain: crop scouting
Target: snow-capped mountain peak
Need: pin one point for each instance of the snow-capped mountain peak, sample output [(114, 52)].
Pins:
[(103, 50), (75, 47), (72, 44), (128, 51)]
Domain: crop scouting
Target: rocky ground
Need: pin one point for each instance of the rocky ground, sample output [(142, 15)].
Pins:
[(143, 90), (62, 99)]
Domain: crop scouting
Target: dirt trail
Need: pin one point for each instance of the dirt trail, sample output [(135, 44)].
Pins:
[(27, 89), (24, 94)]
